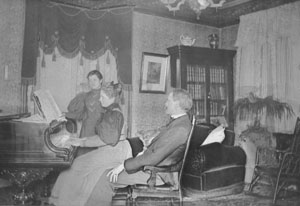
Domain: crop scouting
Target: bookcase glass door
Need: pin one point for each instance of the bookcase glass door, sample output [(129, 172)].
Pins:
[(196, 86), (215, 96), (217, 93), (207, 74)]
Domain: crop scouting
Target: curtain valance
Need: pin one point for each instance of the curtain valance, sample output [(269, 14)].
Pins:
[(73, 30)]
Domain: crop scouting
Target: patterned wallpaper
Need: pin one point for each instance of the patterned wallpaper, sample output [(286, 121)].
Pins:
[(228, 37), (12, 15)]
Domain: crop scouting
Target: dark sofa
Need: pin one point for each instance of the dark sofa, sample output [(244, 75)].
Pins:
[(213, 166)]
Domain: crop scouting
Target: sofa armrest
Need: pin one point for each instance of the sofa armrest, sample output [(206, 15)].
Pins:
[(213, 155)]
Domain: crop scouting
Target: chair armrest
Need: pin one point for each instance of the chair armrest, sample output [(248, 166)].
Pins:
[(162, 169), (170, 168), (279, 153), (157, 169)]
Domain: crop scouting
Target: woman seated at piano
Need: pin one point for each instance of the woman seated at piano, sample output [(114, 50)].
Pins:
[(87, 109), (109, 126), (74, 185)]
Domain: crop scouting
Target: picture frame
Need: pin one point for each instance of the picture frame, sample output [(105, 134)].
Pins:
[(154, 73)]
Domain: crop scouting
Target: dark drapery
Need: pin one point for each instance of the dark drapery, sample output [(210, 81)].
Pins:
[(30, 46), (74, 30)]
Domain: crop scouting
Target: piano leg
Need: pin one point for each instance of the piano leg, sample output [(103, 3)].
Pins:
[(22, 177)]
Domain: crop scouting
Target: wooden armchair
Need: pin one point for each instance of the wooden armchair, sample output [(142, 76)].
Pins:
[(165, 191), (288, 172)]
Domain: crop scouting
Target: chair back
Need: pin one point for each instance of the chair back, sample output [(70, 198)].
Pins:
[(296, 138), (185, 153), (290, 162), (164, 191), (288, 172), (289, 169)]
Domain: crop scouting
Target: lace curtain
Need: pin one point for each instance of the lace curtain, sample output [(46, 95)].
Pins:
[(268, 60)]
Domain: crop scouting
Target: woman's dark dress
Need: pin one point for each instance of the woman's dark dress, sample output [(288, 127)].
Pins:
[(87, 108)]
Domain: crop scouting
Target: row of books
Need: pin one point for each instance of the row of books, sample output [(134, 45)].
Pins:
[(198, 91), (195, 73), (198, 108), (218, 92), (217, 74), (215, 120), (216, 108)]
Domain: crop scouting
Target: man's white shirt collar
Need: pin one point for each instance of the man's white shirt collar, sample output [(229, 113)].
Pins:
[(177, 115)]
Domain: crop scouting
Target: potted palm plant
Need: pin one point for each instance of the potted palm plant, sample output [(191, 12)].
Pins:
[(253, 108)]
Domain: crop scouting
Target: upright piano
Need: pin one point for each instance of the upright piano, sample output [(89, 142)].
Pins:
[(27, 152)]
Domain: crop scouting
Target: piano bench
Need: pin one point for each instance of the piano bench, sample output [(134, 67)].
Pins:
[(122, 196)]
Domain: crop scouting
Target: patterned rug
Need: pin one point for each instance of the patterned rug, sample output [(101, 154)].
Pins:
[(261, 196)]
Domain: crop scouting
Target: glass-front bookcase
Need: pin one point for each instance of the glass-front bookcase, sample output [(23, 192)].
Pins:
[(208, 76)]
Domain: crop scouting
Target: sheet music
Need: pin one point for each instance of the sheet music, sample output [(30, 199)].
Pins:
[(48, 110), (46, 105)]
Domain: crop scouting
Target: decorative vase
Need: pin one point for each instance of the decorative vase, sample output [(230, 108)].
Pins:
[(213, 41)]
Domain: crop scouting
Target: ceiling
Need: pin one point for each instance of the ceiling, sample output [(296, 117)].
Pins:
[(227, 15)]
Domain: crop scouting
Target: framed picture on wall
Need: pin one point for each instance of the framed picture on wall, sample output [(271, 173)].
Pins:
[(154, 73)]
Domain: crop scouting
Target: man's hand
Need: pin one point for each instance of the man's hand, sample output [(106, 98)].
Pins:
[(114, 173)]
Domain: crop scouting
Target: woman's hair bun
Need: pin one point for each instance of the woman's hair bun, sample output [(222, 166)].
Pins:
[(117, 87), (112, 89)]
